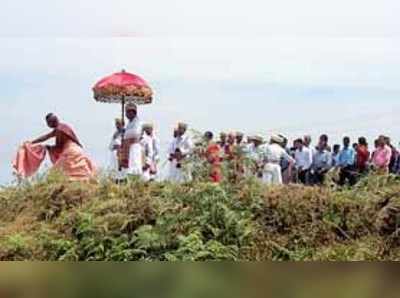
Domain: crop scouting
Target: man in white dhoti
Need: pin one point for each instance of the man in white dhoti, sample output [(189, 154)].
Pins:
[(273, 155), (180, 148), (114, 147), (151, 152), (132, 154)]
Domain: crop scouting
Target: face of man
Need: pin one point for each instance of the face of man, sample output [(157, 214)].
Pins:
[(131, 114), (239, 139), (322, 141), (382, 141), (307, 140), (298, 145), (148, 131), (346, 142), (118, 125), (222, 137), (207, 137), (336, 149), (181, 130), (321, 144), (52, 121), (231, 139)]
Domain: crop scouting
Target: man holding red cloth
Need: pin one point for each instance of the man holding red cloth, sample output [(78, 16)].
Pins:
[(66, 155)]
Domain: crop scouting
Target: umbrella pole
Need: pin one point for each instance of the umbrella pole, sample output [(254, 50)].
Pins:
[(123, 110), (123, 124)]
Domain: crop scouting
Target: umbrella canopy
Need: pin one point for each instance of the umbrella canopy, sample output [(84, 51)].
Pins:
[(123, 87)]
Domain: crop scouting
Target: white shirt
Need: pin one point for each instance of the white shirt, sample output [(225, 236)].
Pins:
[(148, 150), (134, 129), (183, 143), (274, 153), (151, 148), (303, 158), (255, 153), (156, 148), (113, 162), (115, 140)]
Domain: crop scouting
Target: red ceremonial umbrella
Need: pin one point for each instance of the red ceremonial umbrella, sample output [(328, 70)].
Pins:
[(123, 87)]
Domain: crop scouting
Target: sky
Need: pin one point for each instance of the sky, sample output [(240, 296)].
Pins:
[(292, 67)]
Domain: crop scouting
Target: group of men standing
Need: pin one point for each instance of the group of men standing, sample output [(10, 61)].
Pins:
[(277, 163), (136, 151), (134, 148)]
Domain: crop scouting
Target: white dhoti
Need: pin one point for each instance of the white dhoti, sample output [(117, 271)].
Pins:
[(115, 172), (135, 160), (178, 175), (272, 174)]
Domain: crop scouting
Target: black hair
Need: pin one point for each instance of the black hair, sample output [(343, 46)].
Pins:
[(209, 135), (336, 147), (362, 141), (299, 141), (49, 115), (324, 137)]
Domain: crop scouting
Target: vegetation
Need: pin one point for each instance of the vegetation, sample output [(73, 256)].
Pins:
[(53, 219)]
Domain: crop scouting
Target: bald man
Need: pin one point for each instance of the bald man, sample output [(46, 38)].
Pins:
[(67, 154)]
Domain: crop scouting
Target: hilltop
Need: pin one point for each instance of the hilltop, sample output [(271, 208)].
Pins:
[(53, 219)]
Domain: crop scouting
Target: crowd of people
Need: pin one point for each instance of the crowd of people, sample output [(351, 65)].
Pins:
[(135, 151), (273, 162)]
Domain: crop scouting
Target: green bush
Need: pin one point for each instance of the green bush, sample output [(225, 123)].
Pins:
[(52, 219)]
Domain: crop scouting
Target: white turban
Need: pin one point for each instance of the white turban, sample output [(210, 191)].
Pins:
[(131, 106), (277, 139)]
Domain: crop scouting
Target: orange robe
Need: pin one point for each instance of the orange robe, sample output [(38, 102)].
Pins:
[(67, 156)]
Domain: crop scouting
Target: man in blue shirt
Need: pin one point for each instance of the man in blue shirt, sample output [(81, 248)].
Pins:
[(346, 163)]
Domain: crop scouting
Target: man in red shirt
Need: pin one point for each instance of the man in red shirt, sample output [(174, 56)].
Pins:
[(362, 156)]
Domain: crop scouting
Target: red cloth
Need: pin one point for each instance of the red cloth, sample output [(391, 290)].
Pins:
[(362, 157), (28, 160), (70, 160)]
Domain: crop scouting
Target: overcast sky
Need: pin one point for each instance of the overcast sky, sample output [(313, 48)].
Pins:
[(259, 66), (355, 18)]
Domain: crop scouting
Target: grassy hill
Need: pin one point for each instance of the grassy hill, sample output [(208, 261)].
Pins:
[(52, 219)]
